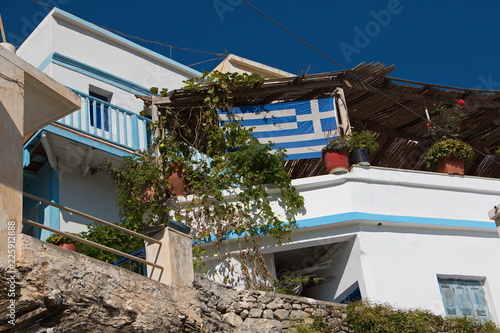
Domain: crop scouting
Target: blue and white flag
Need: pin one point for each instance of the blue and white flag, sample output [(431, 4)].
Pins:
[(302, 128)]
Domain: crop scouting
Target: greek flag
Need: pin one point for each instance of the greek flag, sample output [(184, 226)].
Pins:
[(302, 128)]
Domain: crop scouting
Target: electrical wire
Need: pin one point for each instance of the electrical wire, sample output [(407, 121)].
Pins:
[(204, 61), (350, 71), (159, 43)]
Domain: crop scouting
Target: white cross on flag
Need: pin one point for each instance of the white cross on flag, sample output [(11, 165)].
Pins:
[(302, 128)]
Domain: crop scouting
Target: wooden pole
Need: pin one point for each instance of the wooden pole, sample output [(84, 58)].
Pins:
[(3, 31), (342, 111)]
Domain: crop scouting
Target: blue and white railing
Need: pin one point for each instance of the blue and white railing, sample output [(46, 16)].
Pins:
[(109, 122)]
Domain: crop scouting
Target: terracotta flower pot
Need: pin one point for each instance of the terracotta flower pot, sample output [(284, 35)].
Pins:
[(452, 166), (176, 180), (336, 162), (68, 246)]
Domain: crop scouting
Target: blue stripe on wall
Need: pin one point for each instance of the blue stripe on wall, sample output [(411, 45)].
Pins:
[(93, 72), (352, 216), (324, 220)]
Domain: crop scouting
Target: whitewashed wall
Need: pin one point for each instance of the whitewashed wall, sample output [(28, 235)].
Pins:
[(92, 194), (406, 266)]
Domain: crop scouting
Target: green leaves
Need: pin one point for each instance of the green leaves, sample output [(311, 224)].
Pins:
[(452, 148), (228, 190)]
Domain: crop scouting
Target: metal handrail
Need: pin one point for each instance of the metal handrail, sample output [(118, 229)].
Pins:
[(99, 246), (93, 218)]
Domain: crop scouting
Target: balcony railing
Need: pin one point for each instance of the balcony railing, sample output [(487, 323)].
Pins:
[(109, 122)]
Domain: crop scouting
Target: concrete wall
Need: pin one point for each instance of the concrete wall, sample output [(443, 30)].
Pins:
[(93, 194), (81, 82), (11, 138)]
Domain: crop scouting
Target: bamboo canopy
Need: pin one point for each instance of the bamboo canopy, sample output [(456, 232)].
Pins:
[(394, 109)]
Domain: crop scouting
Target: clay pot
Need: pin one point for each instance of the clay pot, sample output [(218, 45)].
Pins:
[(452, 166), (68, 246), (336, 162)]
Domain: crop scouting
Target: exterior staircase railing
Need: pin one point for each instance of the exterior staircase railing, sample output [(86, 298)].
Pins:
[(109, 122), (98, 220)]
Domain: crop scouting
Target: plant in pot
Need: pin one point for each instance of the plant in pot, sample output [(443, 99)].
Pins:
[(362, 144), (449, 156), (335, 155), (62, 241), (446, 120)]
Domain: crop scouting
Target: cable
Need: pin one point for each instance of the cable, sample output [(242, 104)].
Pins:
[(350, 71), (42, 3), (201, 62), (154, 42), (14, 36)]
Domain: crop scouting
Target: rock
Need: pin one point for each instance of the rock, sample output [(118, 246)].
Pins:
[(281, 314), (255, 313), (254, 325), (244, 314), (232, 319), (298, 314), (319, 313), (268, 313), (273, 305)]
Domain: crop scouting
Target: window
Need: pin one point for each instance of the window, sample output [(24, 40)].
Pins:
[(464, 298), (100, 110)]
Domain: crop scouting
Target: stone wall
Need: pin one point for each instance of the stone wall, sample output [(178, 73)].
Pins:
[(62, 291), (227, 310)]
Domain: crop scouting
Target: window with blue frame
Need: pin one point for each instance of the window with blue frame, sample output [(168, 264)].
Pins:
[(99, 112), (464, 298)]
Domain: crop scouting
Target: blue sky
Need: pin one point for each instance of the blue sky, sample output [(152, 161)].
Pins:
[(444, 42)]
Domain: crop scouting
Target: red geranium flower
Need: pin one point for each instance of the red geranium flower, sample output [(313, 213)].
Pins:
[(461, 102)]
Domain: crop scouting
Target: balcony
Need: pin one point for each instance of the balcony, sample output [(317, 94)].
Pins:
[(109, 122)]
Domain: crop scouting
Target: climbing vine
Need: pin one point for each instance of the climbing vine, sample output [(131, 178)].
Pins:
[(228, 176)]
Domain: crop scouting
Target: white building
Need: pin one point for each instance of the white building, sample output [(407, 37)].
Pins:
[(389, 233), (106, 71)]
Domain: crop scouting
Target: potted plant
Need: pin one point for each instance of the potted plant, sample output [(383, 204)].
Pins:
[(446, 120), (449, 156), (362, 144), (62, 241), (335, 155)]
